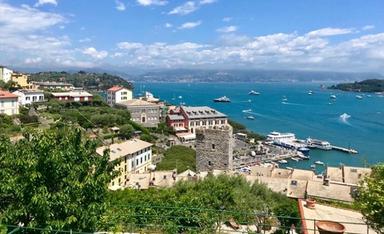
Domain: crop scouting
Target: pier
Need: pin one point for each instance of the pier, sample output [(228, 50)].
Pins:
[(345, 150)]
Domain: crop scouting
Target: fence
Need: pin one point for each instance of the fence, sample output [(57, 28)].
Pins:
[(160, 219)]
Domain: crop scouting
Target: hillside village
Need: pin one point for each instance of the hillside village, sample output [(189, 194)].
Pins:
[(140, 131)]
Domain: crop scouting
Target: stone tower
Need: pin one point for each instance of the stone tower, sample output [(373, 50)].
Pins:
[(214, 149)]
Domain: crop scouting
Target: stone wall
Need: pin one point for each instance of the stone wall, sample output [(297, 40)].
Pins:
[(214, 149)]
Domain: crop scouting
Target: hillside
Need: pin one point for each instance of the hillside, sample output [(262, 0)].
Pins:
[(373, 85), (195, 75), (88, 80)]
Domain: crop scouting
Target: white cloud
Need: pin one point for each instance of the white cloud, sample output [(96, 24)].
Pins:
[(120, 6), (368, 27), (152, 2), (129, 45), (189, 25), (85, 40), (325, 32), (43, 2), (91, 51), (203, 2), (184, 9), (273, 51), (30, 61), (227, 29), (168, 25), (227, 19)]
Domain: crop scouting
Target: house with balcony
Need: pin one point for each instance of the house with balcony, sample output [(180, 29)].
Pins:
[(29, 96), (73, 96)]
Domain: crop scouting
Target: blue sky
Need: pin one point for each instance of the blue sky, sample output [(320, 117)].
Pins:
[(342, 35)]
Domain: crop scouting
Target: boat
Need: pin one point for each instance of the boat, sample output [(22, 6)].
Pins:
[(222, 99), (250, 117), (273, 136), (284, 99), (289, 168), (180, 97), (319, 163), (303, 150), (359, 97), (313, 166), (302, 156), (310, 92), (319, 144), (295, 159), (253, 92), (247, 110), (332, 96), (283, 161)]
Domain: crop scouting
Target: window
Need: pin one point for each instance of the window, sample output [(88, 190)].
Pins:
[(141, 160), (213, 146), (209, 163), (137, 161), (133, 163), (27, 98)]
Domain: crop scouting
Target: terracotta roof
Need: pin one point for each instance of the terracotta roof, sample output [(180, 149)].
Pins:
[(115, 88), (6, 94)]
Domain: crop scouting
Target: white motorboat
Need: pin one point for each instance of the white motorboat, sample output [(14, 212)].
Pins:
[(319, 163), (283, 161)]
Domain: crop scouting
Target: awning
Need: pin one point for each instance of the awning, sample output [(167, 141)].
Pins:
[(180, 129)]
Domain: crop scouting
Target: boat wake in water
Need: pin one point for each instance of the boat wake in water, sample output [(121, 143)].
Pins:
[(344, 118)]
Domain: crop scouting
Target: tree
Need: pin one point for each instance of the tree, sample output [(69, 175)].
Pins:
[(370, 198), (53, 179), (126, 131)]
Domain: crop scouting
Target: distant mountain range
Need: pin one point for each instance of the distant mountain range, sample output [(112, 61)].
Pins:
[(206, 76), (209, 76)]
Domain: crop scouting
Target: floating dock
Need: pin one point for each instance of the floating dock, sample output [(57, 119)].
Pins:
[(345, 150)]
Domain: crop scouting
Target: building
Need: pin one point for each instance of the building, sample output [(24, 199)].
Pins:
[(135, 157), (118, 94), (29, 96), (21, 80), (53, 85), (8, 103), (214, 148), (191, 118), (73, 96), (5, 74), (142, 112)]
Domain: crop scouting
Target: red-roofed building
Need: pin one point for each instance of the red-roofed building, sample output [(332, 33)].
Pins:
[(117, 94), (9, 104)]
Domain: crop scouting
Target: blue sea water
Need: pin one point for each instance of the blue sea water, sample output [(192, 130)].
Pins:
[(315, 116)]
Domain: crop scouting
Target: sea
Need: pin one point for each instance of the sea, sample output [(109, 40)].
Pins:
[(345, 121)]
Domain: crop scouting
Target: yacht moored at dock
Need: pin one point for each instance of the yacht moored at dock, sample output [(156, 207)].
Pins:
[(319, 163), (319, 144)]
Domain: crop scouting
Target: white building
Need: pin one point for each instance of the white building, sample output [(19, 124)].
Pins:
[(135, 156), (28, 96), (118, 94), (8, 103), (5, 74)]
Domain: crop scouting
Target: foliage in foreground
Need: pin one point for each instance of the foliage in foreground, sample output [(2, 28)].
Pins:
[(370, 199), (197, 207), (53, 180), (178, 157), (240, 128)]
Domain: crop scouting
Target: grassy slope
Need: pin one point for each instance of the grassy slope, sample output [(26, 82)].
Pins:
[(179, 157)]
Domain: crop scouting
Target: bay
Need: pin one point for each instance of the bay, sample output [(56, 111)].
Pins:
[(315, 116)]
